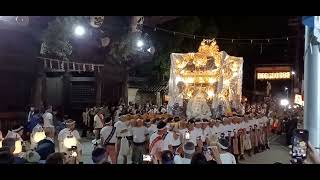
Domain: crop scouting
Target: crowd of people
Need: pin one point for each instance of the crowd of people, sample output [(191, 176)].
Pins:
[(147, 134)]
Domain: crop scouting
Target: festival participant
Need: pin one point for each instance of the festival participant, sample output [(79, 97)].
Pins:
[(85, 121), (109, 139), (15, 133), (246, 137), (196, 134), (183, 129), (37, 128), (124, 141), (157, 142), (9, 143), (118, 113), (173, 138), (140, 138), (205, 131), (48, 117), (234, 141), (151, 126), (70, 130), (98, 123), (255, 139)]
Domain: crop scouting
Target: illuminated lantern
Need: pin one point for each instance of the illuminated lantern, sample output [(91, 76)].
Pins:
[(69, 142), (38, 136), (1, 143), (96, 21), (18, 147)]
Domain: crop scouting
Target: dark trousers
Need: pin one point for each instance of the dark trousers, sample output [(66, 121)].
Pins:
[(138, 150)]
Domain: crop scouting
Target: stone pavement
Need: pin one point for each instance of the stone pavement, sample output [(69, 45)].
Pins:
[(278, 152)]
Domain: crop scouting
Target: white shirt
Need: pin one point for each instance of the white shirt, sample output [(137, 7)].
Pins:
[(122, 126), (180, 160), (183, 131), (139, 134), (65, 133), (37, 128), (227, 158), (47, 119), (105, 132), (219, 129), (169, 140), (213, 130), (194, 134), (204, 134), (13, 135), (98, 122), (116, 117), (152, 129)]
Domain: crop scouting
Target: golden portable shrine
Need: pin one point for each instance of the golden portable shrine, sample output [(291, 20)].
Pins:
[(200, 82)]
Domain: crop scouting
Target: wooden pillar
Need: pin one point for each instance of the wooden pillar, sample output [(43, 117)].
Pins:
[(99, 89)]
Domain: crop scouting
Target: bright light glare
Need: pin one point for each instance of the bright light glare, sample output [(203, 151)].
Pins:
[(285, 88), (140, 43), (284, 102), (79, 30), (293, 73)]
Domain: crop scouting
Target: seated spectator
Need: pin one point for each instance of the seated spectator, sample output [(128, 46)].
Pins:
[(56, 158), (5, 156), (32, 157), (46, 146), (167, 157), (99, 156), (225, 156), (10, 144), (198, 159)]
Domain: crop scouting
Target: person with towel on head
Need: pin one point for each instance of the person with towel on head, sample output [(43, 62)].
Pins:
[(156, 144), (15, 133), (70, 130), (109, 139), (173, 139), (225, 156)]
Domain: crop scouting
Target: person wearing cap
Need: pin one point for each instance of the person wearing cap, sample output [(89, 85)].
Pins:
[(124, 140), (48, 117), (225, 156), (156, 142), (140, 138), (109, 139), (98, 123), (46, 146), (64, 133), (184, 153), (16, 133)]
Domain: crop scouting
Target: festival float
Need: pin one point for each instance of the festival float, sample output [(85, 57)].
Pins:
[(204, 82)]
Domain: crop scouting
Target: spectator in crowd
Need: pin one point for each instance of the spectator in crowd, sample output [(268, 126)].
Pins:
[(198, 159), (98, 123), (99, 156), (46, 146), (5, 156), (184, 153), (48, 117), (10, 144), (56, 158), (167, 157), (32, 157), (225, 156)]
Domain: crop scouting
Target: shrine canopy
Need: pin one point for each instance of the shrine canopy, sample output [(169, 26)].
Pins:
[(210, 71)]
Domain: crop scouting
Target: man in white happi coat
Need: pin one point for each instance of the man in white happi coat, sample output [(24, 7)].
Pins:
[(157, 142), (124, 141), (15, 133), (109, 140), (70, 131)]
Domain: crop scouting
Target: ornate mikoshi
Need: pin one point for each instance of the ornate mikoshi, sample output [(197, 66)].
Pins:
[(209, 70)]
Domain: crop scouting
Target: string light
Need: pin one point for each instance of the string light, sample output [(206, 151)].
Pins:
[(251, 41)]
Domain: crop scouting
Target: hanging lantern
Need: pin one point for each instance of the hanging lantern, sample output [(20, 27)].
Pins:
[(69, 142), (96, 21), (22, 20), (18, 147), (38, 136)]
